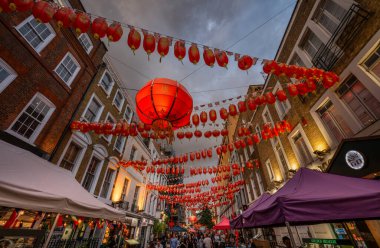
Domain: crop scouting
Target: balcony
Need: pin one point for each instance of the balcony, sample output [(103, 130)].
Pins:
[(352, 22)]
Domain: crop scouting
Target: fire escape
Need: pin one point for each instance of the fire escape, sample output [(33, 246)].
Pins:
[(350, 26)]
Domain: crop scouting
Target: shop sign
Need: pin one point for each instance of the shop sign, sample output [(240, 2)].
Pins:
[(134, 222), (328, 241), (355, 159), (144, 222), (340, 231)]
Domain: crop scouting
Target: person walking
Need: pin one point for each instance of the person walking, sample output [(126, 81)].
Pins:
[(174, 241), (207, 242), (200, 242)]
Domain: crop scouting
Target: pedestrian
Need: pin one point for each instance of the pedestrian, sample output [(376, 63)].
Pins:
[(200, 242), (174, 241), (286, 241), (182, 243), (158, 244), (207, 242)]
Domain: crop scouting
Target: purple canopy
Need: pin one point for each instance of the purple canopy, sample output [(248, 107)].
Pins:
[(312, 196), (237, 222)]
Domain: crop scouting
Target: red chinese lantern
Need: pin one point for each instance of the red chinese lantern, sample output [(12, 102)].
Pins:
[(269, 98), (310, 85), (292, 89), (165, 104), (149, 44), (223, 113), (260, 100), (208, 57), (232, 110), (192, 156), (99, 28), (208, 134), (256, 138), (114, 32), (65, 17), (179, 50), (212, 115), (21, 5), (270, 67), (237, 144), (134, 40), (231, 147), (197, 133), (82, 23), (219, 150), (195, 119), (189, 135), (281, 95), (43, 11), (203, 117), (194, 55), (245, 62), (216, 133), (4, 6), (204, 154), (163, 47), (251, 104), (242, 106), (224, 132), (222, 59), (197, 155), (302, 88)]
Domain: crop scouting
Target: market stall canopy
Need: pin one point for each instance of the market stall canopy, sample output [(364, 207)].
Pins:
[(314, 197), (178, 229), (238, 222), (30, 182), (224, 224)]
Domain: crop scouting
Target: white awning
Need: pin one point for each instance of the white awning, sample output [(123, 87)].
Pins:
[(30, 182)]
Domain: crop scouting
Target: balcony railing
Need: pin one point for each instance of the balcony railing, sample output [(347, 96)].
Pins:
[(328, 55)]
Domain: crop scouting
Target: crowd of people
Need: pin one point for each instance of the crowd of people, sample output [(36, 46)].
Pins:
[(202, 240)]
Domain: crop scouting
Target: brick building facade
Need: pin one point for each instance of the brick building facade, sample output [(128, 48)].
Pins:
[(45, 72), (341, 36)]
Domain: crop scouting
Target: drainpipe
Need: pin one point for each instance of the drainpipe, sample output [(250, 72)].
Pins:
[(67, 128)]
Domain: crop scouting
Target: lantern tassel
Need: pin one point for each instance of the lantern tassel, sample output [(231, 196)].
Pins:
[(161, 59)]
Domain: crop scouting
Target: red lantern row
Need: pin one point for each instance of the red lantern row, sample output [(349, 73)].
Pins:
[(175, 170)]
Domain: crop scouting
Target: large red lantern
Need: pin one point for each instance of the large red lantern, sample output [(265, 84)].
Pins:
[(21, 5), (179, 50), (163, 47), (43, 11), (99, 27), (4, 6), (222, 59), (114, 32), (134, 40), (149, 44), (245, 62), (208, 57), (82, 23), (194, 54), (165, 104), (65, 17)]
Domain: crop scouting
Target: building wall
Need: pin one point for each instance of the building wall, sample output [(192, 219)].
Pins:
[(35, 73)]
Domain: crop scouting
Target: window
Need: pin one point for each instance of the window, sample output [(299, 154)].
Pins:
[(372, 63), (128, 114), (71, 156), (86, 43), (329, 15), (260, 182), (37, 34), (32, 119), (64, 3), (333, 121), (135, 198), (360, 100), (296, 60), (93, 110), (132, 154), (111, 120), (107, 183), (258, 131), (7, 75), (124, 190), (118, 101), (107, 82), (302, 149), (67, 69), (90, 174), (269, 169), (282, 108), (119, 144), (311, 44)]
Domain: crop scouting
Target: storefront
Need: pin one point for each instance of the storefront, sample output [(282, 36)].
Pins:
[(358, 157)]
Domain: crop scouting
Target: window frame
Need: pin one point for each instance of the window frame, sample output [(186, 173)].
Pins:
[(43, 123), (269, 168), (98, 115), (113, 177), (46, 42), (109, 137), (286, 102), (131, 116), (10, 78), (368, 70), (108, 93), (73, 76), (296, 130), (122, 102), (89, 49), (97, 155), (124, 139)]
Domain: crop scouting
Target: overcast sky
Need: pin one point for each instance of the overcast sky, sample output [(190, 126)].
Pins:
[(214, 23)]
